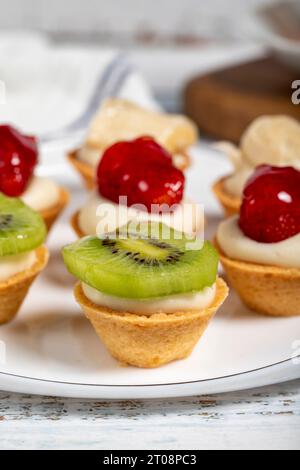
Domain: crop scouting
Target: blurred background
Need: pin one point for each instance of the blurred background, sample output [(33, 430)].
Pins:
[(51, 52), (127, 22)]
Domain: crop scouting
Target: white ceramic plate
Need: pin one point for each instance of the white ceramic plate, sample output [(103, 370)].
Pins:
[(52, 349)]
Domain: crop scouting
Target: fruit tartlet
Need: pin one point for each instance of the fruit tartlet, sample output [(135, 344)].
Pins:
[(260, 248), (271, 140), (119, 120), (22, 254), (18, 160), (137, 180), (148, 291)]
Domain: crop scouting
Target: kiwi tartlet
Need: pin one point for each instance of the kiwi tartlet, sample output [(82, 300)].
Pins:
[(22, 254), (138, 270)]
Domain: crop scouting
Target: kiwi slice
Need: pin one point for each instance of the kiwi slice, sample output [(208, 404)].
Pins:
[(142, 266), (21, 229)]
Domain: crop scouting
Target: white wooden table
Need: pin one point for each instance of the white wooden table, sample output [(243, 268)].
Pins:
[(267, 418)]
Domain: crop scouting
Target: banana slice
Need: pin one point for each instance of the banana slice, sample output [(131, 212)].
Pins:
[(122, 120), (273, 140)]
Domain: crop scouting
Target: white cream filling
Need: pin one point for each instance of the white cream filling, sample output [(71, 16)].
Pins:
[(41, 194), (169, 304), (235, 183), (236, 245), (99, 215), (11, 265)]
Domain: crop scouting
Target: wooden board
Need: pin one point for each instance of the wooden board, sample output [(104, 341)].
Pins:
[(224, 103), (265, 418)]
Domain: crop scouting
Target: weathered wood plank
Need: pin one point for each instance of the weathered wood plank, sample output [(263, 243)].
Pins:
[(263, 418)]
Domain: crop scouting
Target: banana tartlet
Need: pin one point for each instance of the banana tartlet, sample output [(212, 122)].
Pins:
[(271, 140), (137, 180), (260, 248), (119, 120), (18, 160), (149, 292), (22, 254)]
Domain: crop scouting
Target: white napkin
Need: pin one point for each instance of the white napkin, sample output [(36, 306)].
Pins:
[(48, 86)]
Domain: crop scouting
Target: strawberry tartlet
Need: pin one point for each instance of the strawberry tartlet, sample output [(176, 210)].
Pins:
[(260, 248), (138, 180), (18, 160), (271, 140)]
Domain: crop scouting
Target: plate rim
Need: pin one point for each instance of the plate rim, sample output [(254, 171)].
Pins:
[(171, 384)]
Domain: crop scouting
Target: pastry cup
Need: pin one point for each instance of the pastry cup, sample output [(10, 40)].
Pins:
[(149, 341), (268, 290), (87, 172), (14, 290), (230, 204), (75, 225), (51, 214)]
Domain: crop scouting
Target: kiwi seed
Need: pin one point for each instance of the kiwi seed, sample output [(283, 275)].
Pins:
[(5, 220), (169, 253)]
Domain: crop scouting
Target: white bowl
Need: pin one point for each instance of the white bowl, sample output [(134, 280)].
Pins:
[(287, 50)]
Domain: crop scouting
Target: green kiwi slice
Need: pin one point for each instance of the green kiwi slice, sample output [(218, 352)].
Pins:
[(21, 228), (142, 266)]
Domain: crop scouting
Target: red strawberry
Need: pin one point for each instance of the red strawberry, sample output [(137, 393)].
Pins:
[(141, 170), (270, 211), (18, 157)]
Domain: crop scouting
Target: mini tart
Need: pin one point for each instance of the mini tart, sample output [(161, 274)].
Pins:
[(87, 172), (269, 290), (230, 204), (51, 214), (14, 290), (149, 341)]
